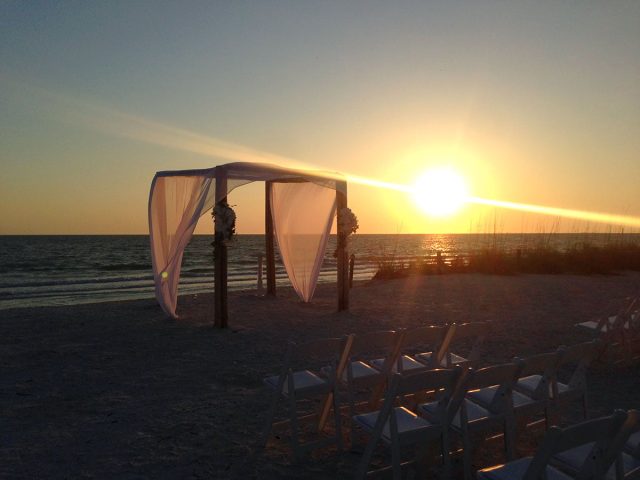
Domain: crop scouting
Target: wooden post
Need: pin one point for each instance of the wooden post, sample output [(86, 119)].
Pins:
[(352, 265), (341, 250), (269, 246), (221, 318), (260, 269)]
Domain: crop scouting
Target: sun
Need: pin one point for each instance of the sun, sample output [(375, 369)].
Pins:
[(440, 191)]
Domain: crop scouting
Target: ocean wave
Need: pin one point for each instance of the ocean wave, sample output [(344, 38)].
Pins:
[(16, 283), (123, 266), (84, 269)]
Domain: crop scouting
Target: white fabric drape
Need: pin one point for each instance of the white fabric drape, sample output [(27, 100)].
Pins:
[(178, 198), (302, 217), (175, 205)]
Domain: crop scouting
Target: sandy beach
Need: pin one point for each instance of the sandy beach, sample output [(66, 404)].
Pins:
[(117, 390)]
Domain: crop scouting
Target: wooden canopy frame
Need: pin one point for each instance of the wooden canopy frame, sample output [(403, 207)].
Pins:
[(221, 313)]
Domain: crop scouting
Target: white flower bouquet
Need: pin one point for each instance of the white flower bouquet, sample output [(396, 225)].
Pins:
[(224, 221), (347, 221)]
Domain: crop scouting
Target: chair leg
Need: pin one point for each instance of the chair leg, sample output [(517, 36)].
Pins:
[(466, 454), (395, 460), (546, 417), (585, 405), (352, 413), (361, 472), (293, 415), (262, 442), (338, 421), (509, 438), (419, 469), (446, 458)]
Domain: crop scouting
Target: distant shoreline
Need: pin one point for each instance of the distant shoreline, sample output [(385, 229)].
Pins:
[(80, 269)]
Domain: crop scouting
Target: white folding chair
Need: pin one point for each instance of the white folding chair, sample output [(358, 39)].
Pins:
[(400, 428), (533, 389), (467, 340), (482, 401), (596, 434), (417, 347), (598, 457), (358, 375), (567, 388), (294, 384)]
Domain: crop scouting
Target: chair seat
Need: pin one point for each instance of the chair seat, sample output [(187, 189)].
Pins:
[(590, 325), (475, 413), (633, 443), (563, 388), (570, 460), (302, 380), (484, 396), (529, 384), (629, 463), (455, 359), (408, 364), (593, 325), (515, 470), (521, 400), (426, 359), (408, 422), (360, 370)]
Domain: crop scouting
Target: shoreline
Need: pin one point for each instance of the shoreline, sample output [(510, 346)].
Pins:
[(287, 291), (119, 390)]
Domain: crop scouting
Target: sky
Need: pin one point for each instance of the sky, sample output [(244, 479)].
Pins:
[(532, 102)]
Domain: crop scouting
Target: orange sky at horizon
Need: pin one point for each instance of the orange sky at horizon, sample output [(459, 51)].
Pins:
[(531, 105)]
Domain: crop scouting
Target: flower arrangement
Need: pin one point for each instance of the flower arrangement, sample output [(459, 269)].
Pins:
[(347, 225), (224, 221), (347, 221)]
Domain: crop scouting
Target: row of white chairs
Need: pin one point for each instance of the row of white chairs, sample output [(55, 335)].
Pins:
[(602, 448), (361, 361), (620, 332), (472, 398), (470, 401)]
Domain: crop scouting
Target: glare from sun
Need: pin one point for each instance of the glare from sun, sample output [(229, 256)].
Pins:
[(440, 192)]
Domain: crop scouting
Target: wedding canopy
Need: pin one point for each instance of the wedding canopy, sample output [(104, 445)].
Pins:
[(300, 206)]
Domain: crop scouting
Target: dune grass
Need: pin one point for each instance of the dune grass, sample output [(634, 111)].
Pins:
[(583, 258)]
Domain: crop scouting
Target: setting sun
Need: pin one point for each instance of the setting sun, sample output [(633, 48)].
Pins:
[(440, 191)]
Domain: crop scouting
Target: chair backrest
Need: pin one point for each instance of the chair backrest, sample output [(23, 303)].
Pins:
[(369, 346), (545, 365), (476, 331), (373, 344), (599, 431), (315, 353), (580, 356), (503, 376), (321, 354), (618, 444), (622, 318), (631, 306), (443, 380), (633, 447), (426, 338)]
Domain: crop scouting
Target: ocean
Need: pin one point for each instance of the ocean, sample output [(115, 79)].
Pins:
[(68, 270)]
